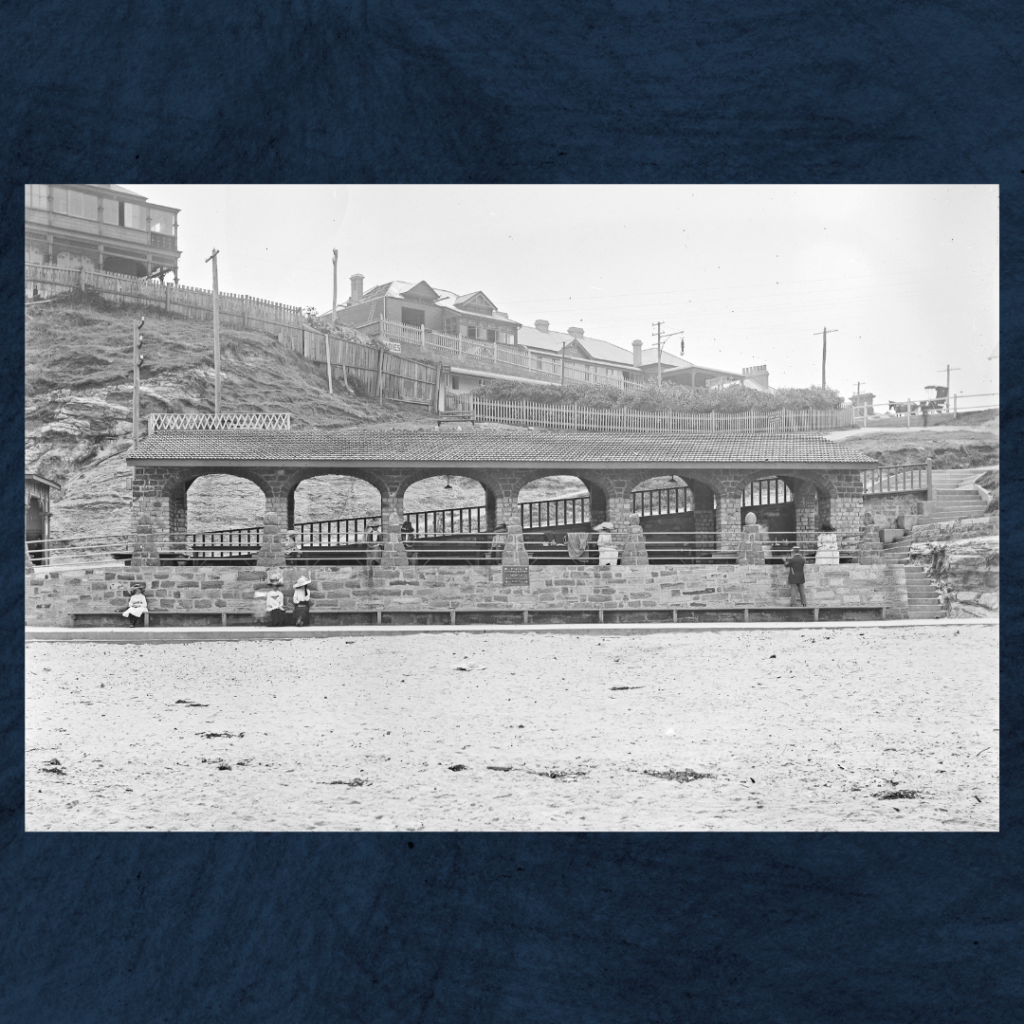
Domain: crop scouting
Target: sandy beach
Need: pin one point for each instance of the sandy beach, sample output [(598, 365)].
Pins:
[(753, 730)]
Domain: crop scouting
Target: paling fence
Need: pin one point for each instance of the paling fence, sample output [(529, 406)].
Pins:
[(499, 354), (374, 372), (581, 417)]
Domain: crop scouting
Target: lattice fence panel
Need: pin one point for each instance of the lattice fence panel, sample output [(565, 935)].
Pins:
[(163, 421)]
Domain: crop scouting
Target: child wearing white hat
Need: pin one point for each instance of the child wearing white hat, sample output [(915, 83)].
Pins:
[(301, 600)]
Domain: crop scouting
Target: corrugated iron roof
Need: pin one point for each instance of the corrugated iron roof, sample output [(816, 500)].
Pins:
[(485, 446)]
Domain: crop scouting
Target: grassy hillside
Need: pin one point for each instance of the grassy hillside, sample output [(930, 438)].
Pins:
[(78, 395)]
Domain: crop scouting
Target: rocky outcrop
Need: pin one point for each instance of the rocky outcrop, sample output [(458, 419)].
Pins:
[(962, 558)]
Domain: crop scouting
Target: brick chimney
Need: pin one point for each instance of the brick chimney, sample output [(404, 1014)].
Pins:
[(757, 374), (576, 332), (357, 288), (637, 347), (542, 325)]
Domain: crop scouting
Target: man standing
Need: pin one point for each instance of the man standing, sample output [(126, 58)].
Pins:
[(795, 564)]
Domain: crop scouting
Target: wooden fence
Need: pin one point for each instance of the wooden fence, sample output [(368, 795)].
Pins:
[(580, 417)]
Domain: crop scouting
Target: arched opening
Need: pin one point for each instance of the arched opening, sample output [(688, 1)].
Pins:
[(447, 520), (35, 530), (773, 501), (557, 514), (217, 518), (679, 519), (334, 519)]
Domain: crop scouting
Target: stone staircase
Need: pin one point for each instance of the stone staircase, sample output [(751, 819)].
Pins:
[(955, 498), (922, 597)]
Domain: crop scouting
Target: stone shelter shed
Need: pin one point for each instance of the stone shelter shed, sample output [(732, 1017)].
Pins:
[(823, 477)]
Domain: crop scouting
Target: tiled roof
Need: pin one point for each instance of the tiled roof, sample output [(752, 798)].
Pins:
[(487, 446)]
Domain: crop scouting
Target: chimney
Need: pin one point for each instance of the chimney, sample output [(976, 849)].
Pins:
[(542, 325), (576, 332), (757, 374), (637, 346), (357, 288)]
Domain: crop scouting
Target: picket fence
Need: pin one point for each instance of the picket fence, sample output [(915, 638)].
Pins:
[(580, 417)]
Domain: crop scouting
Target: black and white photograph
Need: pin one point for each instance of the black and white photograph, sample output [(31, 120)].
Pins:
[(511, 508)]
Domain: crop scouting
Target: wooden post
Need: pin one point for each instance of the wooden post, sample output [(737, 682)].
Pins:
[(908, 414), (327, 345), (380, 373), (216, 335), (334, 300), (931, 492)]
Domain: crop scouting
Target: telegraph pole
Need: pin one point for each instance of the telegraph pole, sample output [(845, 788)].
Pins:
[(658, 332), (136, 367), (949, 370), (216, 335), (662, 338), (824, 338)]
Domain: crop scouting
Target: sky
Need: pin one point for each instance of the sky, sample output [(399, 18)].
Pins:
[(905, 275)]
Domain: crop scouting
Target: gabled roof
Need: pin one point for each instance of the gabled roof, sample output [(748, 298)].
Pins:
[(422, 291), (442, 297), (382, 447), (126, 191), (553, 341), (467, 300)]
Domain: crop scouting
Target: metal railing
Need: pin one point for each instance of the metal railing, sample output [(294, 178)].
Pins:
[(86, 551), (225, 544)]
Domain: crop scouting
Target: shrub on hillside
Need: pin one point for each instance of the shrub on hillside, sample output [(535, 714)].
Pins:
[(666, 398)]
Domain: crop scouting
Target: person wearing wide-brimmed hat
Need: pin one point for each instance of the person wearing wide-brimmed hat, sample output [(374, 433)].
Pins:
[(301, 600), (275, 598), (607, 552), (135, 613)]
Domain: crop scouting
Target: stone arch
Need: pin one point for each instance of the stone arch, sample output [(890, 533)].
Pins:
[(467, 490), (247, 514), (357, 503)]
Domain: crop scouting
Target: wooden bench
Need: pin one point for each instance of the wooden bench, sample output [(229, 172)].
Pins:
[(506, 616)]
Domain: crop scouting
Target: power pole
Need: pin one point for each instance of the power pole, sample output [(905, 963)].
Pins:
[(824, 339), (216, 335), (949, 370), (662, 338), (658, 332), (136, 368)]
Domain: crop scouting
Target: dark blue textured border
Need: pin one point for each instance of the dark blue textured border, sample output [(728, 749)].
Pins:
[(490, 929)]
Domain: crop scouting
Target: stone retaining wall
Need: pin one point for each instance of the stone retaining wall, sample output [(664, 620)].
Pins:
[(55, 597), (887, 507)]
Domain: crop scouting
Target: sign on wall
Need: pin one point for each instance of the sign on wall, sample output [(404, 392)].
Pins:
[(515, 575)]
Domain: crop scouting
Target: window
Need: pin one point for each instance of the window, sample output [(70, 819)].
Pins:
[(455, 382), (492, 335), (471, 331), (413, 317), (161, 221), (111, 211), (133, 216), (75, 204), (35, 197)]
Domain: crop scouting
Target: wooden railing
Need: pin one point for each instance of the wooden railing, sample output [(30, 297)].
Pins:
[(911, 477)]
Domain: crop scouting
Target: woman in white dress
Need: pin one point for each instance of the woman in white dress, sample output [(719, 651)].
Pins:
[(828, 546), (607, 552)]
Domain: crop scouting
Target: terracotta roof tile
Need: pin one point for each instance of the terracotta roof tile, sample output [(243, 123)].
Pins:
[(379, 446)]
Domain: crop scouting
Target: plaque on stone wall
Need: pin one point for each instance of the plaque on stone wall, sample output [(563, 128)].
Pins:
[(515, 575)]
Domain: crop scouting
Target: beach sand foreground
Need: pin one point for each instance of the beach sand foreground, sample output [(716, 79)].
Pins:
[(802, 730)]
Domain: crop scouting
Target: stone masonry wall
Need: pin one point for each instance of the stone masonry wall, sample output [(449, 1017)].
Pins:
[(54, 597), (886, 507)]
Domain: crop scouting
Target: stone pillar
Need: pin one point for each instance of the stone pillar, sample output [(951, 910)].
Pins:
[(490, 511), (728, 520), (805, 497), (634, 551), (750, 550), (177, 518), (150, 525), (869, 547), (274, 540), (394, 554)]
